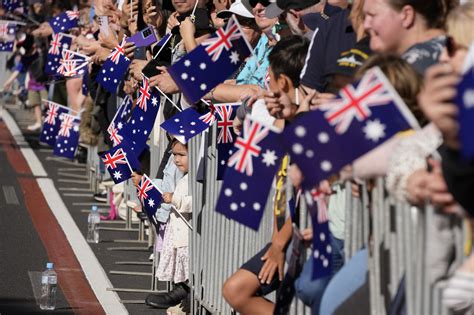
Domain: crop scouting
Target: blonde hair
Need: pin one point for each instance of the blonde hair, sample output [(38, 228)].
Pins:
[(460, 24)]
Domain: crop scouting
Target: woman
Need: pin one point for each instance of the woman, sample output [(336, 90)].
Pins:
[(413, 29)]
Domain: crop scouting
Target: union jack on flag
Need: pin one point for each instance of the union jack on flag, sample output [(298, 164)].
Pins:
[(68, 137), (117, 124), (355, 102), (144, 94), (210, 117), (225, 113), (225, 35), (246, 186), (66, 125), (114, 135), (118, 52), (144, 186), (248, 147), (59, 42), (150, 197), (52, 122), (362, 117)]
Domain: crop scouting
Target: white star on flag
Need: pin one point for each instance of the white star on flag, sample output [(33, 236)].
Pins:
[(151, 203), (269, 158), (374, 130), (117, 175), (234, 57)]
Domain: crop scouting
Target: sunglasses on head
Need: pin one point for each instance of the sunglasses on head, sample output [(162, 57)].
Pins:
[(253, 3)]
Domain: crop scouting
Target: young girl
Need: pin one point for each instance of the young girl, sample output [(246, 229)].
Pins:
[(174, 261)]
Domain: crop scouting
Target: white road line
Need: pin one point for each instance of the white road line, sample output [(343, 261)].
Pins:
[(30, 157), (93, 270)]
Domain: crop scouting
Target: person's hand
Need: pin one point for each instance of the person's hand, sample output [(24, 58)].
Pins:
[(136, 68), (237, 126), (307, 104), (250, 94), (436, 101), (274, 260), (89, 47), (307, 234), (187, 29), (136, 178), (7, 86), (167, 197), (295, 175), (164, 82), (129, 87), (416, 188), (126, 9), (108, 41), (437, 189), (129, 49), (132, 25), (295, 22), (44, 30), (100, 55), (172, 22), (321, 99), (153, 16)]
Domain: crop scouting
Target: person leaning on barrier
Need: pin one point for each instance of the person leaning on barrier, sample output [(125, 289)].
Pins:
[(246, 289)]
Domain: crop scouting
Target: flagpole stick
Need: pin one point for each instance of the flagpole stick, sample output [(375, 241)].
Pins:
[(182, 218), (193, 17), (169, 100), (163, 46)]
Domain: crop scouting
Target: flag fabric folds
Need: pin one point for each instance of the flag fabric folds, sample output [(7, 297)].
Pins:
[(120, 163), (116, 126), (64, 21), (249, 175), (221, 54), (114, 69), (150, 197), (362, 117), (52, 122), (59, 42), (68, 137), (185, 125), (465, 102), (72, 63)]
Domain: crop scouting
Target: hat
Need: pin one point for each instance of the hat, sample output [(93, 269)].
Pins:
[(237, 8), (277, 7)]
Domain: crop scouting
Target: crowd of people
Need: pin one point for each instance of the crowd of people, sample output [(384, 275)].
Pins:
[(303, 54)]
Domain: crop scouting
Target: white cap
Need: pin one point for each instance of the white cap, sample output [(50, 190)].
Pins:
[(236, 8)]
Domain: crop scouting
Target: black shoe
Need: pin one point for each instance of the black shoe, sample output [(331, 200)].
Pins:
[(186, 304), (166, 300), (81, 155)]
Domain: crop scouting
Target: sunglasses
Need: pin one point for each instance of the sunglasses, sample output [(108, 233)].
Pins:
[(253, 3)]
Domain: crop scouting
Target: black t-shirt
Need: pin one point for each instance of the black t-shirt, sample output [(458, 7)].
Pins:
[(423, 55), (330, 40)]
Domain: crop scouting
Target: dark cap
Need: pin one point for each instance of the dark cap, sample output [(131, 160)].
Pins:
[(277, 7)]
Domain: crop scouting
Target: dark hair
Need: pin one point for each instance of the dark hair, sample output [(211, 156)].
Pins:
[(434, 11), (404, 78), (288, 57)]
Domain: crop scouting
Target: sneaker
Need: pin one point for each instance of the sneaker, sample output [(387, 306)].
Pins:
[(101, 197), (34, 127), (166, 300), (186, 304)]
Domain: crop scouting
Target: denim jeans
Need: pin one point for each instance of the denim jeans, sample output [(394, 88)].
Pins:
[(345, 283), (311, 291)]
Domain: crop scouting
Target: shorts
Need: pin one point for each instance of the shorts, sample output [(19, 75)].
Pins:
[(35, 97), (254, 265)]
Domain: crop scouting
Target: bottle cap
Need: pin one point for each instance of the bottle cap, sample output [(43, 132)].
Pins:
[(49, 265), (94, 208)]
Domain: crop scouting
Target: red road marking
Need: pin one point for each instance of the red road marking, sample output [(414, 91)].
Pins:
[(72, 280)]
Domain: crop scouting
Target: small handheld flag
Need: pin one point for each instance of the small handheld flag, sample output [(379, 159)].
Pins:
[(52, 122), (68, 137), (114, 69), (64, 21), (150, 198)]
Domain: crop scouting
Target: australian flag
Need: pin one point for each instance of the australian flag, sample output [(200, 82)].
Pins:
[(85, 83), (120, 163), (140, 124), (6, 46), (187, 124), (116, 127), (221, 54), (249, 174), (52, 122), (225, 114), (68, 137), (72, 63), (7, 31), (362, 117), (14, 6), (59, 42), (150, 197), (114, 69), (322, 250), (65, 21), (465, 102)]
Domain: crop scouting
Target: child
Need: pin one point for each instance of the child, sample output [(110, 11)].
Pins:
[(174, 261)]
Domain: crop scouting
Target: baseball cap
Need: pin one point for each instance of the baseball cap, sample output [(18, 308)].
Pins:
[(277, 7), (237, 8)]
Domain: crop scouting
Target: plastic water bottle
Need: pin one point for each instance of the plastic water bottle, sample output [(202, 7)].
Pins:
[(93, 226), (49, 283)]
